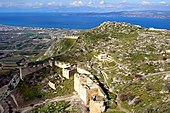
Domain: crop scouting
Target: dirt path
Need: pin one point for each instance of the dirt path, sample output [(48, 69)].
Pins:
[(48, 101)]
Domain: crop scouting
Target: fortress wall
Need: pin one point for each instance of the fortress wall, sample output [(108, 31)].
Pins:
[(84, 94), (76, 83), (61, 64), (101, 92), (66, 73), (97, 106), (92, 92), (71, 37), (82, 71), (87, 89)]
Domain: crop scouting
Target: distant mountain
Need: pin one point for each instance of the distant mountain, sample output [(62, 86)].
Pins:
[(148, 14)]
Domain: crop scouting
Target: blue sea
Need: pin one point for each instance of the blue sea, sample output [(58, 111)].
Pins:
[(61, 20)]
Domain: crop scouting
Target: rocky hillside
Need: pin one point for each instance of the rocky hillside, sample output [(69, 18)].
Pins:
[(133, 63)]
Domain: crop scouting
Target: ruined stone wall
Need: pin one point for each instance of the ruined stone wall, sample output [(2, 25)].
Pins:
[(82, 71), (83, 93), (61, 64), (76, 83), (101, 92), (96, 106), (87, 88), (66, 73), (93, 91), (81, 88), (71, 37)]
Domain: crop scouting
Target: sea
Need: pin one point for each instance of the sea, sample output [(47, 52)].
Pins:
[(73, 21)]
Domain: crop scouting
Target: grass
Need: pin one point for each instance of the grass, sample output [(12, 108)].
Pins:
[(4, 71), (60, 47), (31, 92), (155, 107), (67, 89), (94, 42), (30, 33), (92, 37), (11, 59), (63, 45), (138, 88), (90, 55), (59, 107)]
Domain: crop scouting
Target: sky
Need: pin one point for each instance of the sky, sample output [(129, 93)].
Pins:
[(82, 5)]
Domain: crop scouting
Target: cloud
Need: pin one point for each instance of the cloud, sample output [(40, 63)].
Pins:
[(153, 3), (145, 3), (26, 4), (163, 2), (90, 3), (124, 1), (77, 3), (122, 5), (7, 4), (102, 2), (54, 4), (29, 4), (32, 4)]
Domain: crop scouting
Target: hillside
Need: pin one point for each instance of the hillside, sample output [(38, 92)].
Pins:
[(133, 63), (124, 67)]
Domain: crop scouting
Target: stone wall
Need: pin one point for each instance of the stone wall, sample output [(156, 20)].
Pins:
[(62, 64), (71, 37), (87, 88), (66, 73), (76, 83), (83, 93), (97, 106)]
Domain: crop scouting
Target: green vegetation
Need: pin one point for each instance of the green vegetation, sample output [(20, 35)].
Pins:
[(93, 37), (136, 70), (136, 54), (58, 107), (59, 48), (4, 71), (29, 33), (160, 107), (114, 111), (30, 92), (63, 45), (60, 91), (32, 86)]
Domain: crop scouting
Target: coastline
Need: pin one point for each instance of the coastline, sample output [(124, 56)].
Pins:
[(25, 27), (75, 22)]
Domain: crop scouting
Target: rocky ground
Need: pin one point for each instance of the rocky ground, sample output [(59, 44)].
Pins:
[(135, 64), (132, 64)]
